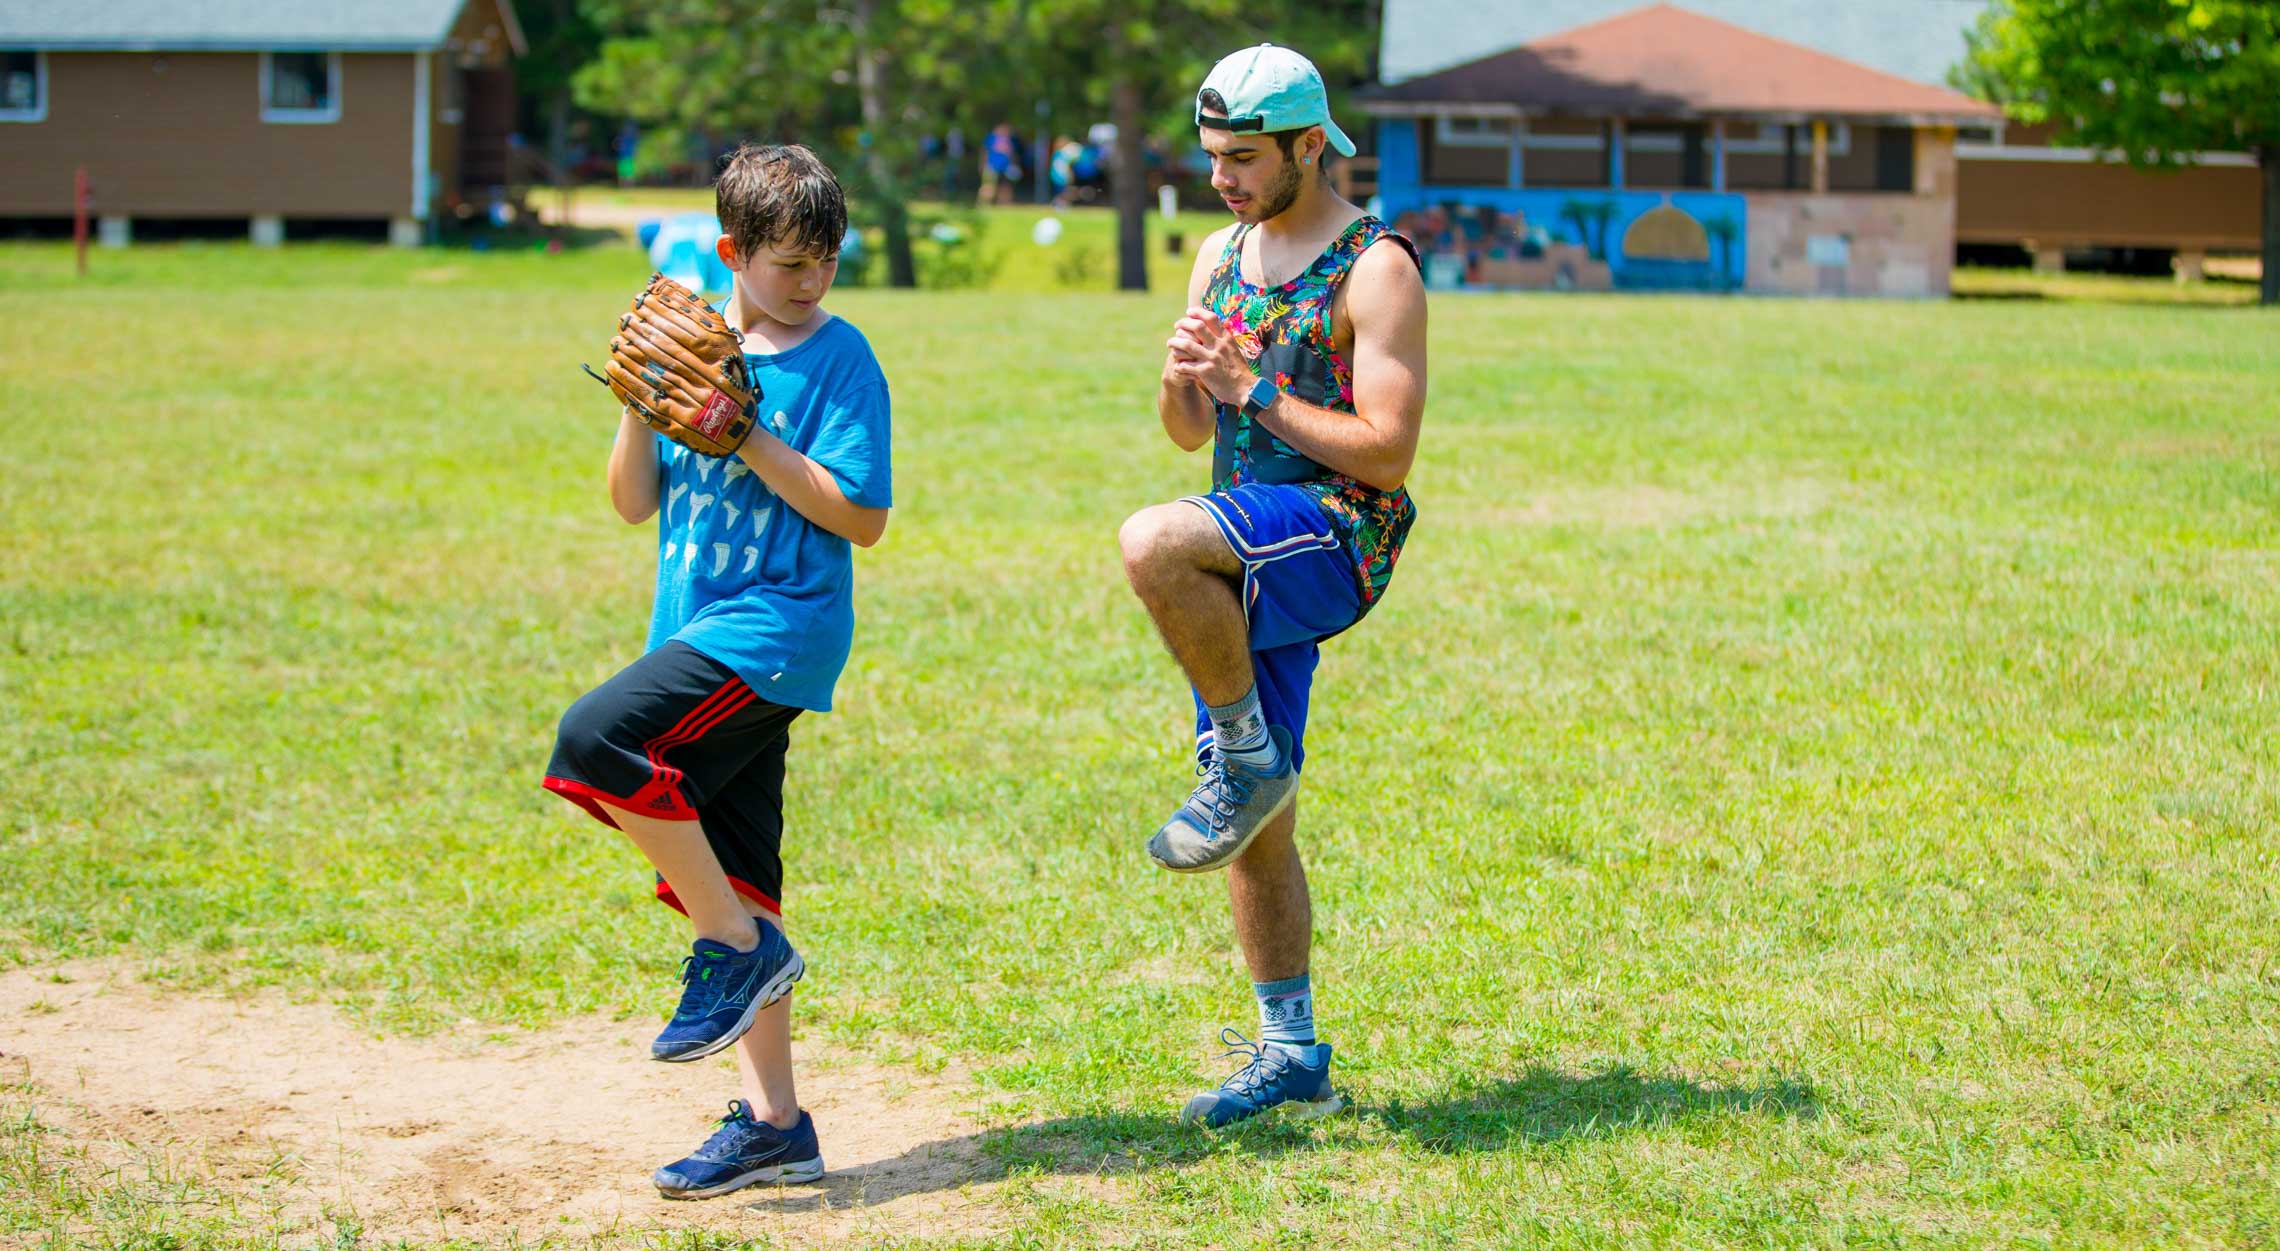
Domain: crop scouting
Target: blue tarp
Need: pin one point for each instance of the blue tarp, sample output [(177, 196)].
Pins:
[(681, 248)]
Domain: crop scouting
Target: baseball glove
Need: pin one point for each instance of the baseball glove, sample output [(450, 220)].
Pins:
[(680, 368)]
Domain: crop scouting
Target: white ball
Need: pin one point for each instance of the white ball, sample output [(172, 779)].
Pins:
[(1045, 232)]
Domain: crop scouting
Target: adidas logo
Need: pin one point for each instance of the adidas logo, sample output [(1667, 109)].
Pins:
[(663, 803)]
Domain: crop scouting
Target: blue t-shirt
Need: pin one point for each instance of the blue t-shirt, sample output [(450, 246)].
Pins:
[(742, 576)]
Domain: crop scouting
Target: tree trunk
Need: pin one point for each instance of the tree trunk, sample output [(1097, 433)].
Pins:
[(870, 85), (2268, 159), (1127, 175), (558, 133), (1130, 175)]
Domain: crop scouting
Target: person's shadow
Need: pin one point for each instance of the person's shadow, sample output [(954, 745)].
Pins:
[(1541, 1106)]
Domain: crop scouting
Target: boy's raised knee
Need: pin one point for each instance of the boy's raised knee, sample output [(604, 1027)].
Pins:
[(584, 729)]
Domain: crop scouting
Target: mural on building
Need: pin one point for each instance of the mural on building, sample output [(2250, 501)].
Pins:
[(1583, 240)]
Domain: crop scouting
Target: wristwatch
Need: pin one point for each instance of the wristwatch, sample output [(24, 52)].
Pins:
[(1262, 394)]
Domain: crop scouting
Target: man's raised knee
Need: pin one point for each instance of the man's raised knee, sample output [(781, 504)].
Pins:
[(1147, 539)]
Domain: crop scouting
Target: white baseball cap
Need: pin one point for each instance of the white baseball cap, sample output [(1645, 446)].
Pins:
[(1269, 89)]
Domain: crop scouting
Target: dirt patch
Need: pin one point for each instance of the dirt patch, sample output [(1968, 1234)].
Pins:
[(299, 1122)]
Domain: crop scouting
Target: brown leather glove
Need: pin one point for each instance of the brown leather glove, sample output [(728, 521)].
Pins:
[(679, 367)]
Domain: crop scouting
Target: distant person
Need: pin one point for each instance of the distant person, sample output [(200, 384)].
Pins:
[(684, 749), (1301, 360), (1001, 165), (627, 149), (1063, 171)]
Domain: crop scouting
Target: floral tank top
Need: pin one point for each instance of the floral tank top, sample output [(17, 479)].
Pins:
[(1285, 332)]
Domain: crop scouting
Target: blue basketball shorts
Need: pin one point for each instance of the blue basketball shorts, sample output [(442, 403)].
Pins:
[(1298, 589)]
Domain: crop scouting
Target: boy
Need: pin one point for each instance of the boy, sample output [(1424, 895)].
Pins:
[(684, 749)]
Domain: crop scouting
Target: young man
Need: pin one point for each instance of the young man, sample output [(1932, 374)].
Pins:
[(684, 749), (1302, 359)]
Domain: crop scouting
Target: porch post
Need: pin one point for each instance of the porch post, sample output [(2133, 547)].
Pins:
[(1820, 157), (1616, 131), (1718, 155)]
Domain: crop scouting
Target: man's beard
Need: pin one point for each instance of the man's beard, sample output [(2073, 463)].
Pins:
[(1282, 194)]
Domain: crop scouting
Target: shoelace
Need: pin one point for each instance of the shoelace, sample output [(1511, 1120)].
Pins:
[(1253, 1077), (692, 1004), (728, 1130), (1221, 794)]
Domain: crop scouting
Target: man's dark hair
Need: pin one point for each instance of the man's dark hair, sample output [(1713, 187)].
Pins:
[(781, 194), (1287, 140)]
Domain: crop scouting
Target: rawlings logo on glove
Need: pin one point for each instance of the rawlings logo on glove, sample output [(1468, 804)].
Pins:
[(679, 368)]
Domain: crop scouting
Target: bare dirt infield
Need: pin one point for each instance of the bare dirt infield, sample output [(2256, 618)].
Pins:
[(288, 1120)]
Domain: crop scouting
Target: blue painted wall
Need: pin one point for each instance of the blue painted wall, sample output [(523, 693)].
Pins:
[(1479, 230)]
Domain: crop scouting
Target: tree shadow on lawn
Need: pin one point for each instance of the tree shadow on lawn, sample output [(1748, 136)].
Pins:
[(1542, 1106)]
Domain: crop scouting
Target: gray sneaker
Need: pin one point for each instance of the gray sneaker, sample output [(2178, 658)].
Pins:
[(1228, 808)]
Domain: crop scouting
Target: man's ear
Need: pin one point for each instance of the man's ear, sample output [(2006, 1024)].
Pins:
[(725, 248)]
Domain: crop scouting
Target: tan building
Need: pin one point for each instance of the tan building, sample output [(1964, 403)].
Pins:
[(264, 110), (2017, 188)]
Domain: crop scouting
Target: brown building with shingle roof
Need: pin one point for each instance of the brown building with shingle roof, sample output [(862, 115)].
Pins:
[(261, 111)]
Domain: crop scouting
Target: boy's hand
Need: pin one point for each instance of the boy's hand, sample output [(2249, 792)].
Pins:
[(1205, 354)]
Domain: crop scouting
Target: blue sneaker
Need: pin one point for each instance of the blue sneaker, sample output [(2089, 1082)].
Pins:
[(742, 1151), (1280, 1079), (722, 989), (1229, 807)]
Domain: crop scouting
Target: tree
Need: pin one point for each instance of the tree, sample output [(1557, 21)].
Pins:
[(2154, 80), (561, 40), (790, 69), (864, 78), (1144, 59)]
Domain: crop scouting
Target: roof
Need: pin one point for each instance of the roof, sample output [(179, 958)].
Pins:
[(237, 25), (1663, 60), (1914, 39)]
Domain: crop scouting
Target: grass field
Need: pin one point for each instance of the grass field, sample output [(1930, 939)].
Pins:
[(986, 248), (1813, 782)]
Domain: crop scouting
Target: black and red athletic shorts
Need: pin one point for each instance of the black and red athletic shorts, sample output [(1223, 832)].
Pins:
[(678, 736)]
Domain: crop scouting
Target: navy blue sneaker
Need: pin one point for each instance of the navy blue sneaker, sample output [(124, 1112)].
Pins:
[(1280, 1079), (722, 989), (742, 1151)]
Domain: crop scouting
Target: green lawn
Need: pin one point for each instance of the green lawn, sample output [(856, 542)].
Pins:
[(1813, 781), (985, 248)]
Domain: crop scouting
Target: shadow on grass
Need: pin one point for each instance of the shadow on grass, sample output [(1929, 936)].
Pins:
[(1542, 1106), (2219, 292), (1546, 1105)]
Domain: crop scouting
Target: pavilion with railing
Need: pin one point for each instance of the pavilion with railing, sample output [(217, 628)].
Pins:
[(1664, 150)]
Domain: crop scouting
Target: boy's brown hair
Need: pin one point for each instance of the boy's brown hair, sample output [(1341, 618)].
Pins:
[(780, 194)]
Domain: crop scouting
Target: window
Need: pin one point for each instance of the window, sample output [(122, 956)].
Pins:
[(1473, 132), (300, 86), (1895, 158), (1466, 159), (23, 86), (1666, 155)]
